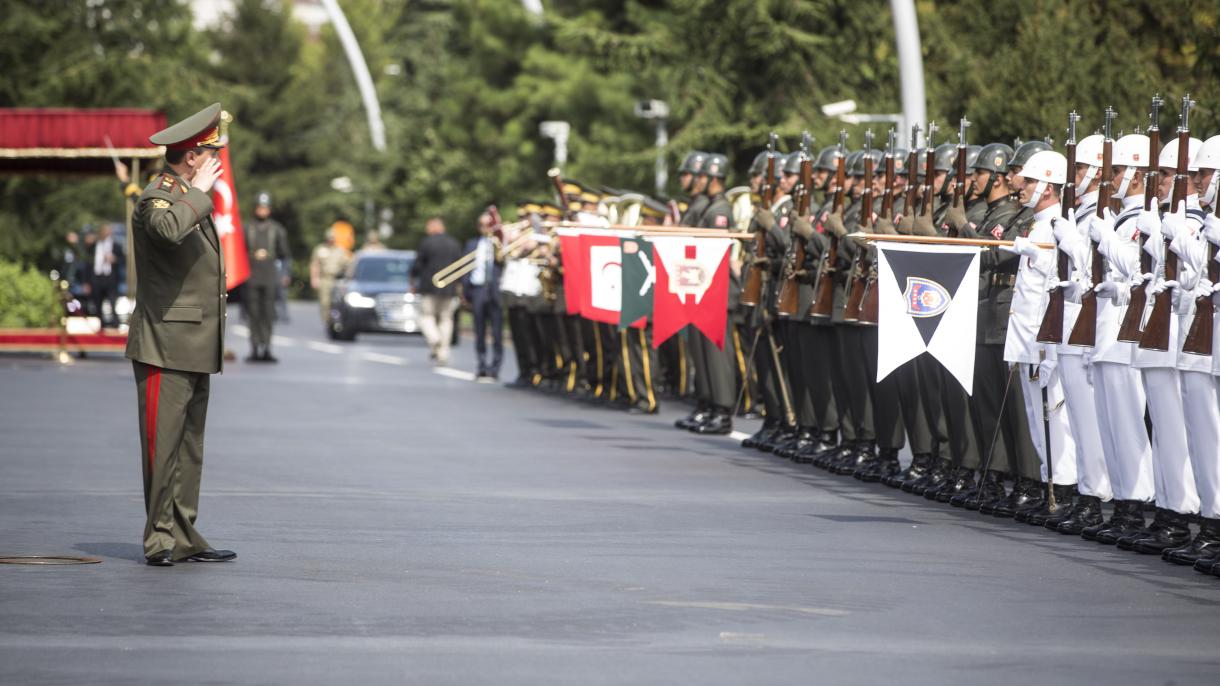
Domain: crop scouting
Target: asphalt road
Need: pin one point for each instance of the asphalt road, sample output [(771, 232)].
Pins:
[(396, 525)]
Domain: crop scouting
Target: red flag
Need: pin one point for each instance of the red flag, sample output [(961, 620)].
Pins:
[(692, 286), (602, 297), (228, 224), (575, 273)]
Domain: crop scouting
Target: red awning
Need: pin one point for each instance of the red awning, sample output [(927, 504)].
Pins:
[(75, 140)]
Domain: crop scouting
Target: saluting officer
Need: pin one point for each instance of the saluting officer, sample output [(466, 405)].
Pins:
[(266, 242), (177, 334)]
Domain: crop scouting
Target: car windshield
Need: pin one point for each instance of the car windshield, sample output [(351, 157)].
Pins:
[(383, 269)]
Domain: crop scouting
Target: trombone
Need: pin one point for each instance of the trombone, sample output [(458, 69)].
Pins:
[(465, 264)]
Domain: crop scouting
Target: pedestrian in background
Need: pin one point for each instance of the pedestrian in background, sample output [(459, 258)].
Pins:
[(436, 251), (326, 265), (267, 243), (106, 258)]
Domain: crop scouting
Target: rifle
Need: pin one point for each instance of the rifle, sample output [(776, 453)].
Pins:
[(959, 183), (1084, 333), (860, 267), (1051, 330), (1131, 329), (751, 293), (912, 196), (789, 291), (1199, 338), (1156, 333), (557, 181), (929, 172), (869, 304), (824, 288)]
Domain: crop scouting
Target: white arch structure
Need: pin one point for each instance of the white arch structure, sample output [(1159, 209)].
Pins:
[(360, 70)]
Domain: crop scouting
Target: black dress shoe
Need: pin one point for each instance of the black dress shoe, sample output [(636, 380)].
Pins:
[(1064, 495), (960, 482), (823, 441), (864, 453), (826, 459), (752, 441), (920, 464), (697, 416), (1204, 546), (885, 466), (989, 491), (1086, 513), (934, 479), (210, 555), (718, 424), (162, 559), (1127, 518), (777, 438), (1174, 532), (1208, 565)]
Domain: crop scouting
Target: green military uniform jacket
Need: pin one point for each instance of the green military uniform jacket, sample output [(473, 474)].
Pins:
[(997, 269), (266, 242), (719, 214), (178, 321)]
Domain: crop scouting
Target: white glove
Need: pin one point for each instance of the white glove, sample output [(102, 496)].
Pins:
[(1164, 286), (1101, 227), (1021, 245), (1046, 372), (1072, 290), (1155, 247), (1118, 293), (1173, 225), (1149, 222), (1211, 228), (1063, 227)]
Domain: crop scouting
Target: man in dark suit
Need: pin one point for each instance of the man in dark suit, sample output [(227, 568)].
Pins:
[(436, 251), (176, 337), (481, 290), (105, 260)]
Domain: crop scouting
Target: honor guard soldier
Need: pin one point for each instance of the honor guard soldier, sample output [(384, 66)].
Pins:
[(177, 334), (267, 244)]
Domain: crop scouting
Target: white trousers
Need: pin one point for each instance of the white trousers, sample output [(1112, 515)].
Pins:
[(1171, 471), (1119, 395), (1063, 448), (1203, 438), (1092, 477)]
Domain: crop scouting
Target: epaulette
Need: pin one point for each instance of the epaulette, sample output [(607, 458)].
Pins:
[(167, 182)]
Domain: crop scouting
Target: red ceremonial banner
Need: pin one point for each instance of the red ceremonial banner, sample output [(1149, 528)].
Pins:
[(692, 287), (228, 224), (601, 298), (575, 273)]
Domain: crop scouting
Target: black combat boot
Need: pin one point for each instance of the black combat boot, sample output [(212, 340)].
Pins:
[(1174, 532), (865, 452), (1208, 565), (832, 456), (1027, 495), (885, 466), (775, 440), (960, 482), (1205, 545), (1064, 495), (933, 480), (718, 423), (767, 427), (803, 439), (1086, 513), (1126, 519), (695, 418), (823, 441), (989, 489), (920, 463)]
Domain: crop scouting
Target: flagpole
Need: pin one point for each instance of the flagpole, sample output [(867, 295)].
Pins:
[(939, 240)]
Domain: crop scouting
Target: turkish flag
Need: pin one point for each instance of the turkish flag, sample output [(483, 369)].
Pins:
[(228, 224), (575, 273), (602, 298), (692, 286)]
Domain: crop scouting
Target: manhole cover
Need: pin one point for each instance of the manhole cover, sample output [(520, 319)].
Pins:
[(47, 560)]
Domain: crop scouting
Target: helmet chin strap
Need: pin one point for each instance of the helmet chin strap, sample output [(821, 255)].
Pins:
[(1209, 197), (1089, 175), (1126, 182), (1034, 197)]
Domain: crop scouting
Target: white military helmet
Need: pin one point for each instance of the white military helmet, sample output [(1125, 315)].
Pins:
[(1046, 166), (1089, 151), (1131, 152), (1169, 154), (1208, 157)]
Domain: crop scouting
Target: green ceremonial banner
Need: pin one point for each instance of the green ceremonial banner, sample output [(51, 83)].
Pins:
[(639, 275)]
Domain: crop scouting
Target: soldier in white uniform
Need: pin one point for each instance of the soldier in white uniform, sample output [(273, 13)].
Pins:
[(1176, 497), (1045, 173), (1206, 545), (1117, 389)]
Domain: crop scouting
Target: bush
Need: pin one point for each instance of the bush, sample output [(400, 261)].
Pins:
[(27, 298)]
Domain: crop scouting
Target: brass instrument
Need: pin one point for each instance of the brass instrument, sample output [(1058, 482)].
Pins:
[(465, 264)]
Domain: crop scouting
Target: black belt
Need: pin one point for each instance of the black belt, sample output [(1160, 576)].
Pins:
[(1003, 279)]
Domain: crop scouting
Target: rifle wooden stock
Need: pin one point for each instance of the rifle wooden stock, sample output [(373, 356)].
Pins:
[(860, 266), (1051, 330), (824, 288), (1199, 338), (790, 292), (1084, 333), (1156, 332), (751, 292), (912, 195), (1130, 331)]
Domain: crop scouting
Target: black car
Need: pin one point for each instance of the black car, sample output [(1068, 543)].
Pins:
[(374, 295)]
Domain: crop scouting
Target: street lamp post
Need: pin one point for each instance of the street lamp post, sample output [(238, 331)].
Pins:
[(557, 131), (657, 111)]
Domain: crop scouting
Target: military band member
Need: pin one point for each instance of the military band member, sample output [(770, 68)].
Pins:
[(267, 245), (177, 334)]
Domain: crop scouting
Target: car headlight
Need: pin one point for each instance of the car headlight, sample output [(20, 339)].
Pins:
[(355, 299)]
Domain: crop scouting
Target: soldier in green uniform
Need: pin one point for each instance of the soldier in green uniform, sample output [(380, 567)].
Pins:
[(176, 337), (326, 265), (267, 243)]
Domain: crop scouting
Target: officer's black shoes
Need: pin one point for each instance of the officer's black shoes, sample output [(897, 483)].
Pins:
[(1173, 532), (695, 418), (822, 442), (1086, 513), (1205, 545), (1127, 519), (885, 466), (162, 559), (719, 423), (1208, 565), (210, 555), (1026, 495), (933, 480), (960, 482), (829, 457), (920, 462), (864, 453), (752, 441)]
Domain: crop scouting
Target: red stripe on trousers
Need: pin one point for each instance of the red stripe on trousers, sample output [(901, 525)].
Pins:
[(152, 393)]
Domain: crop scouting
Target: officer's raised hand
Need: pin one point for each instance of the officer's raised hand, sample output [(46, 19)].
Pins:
[(206, 174)]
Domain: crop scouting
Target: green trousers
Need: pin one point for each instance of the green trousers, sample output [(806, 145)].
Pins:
[(173, 408)]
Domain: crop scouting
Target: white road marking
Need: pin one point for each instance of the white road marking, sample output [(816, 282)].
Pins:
[(324, 347), (283, 341), (742, 607), (387, 359), (454, 373), (240, 330), (739, 436)]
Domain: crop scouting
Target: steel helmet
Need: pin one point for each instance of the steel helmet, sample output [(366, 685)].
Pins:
[(877, 156), (716, 166), (1025, 151), (1046, 166), (945, 157), (994, 157), (792, 163), (1169, 154), (759, 166), (828, 159), (693, 162), (1131, 151), (972, 156)]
